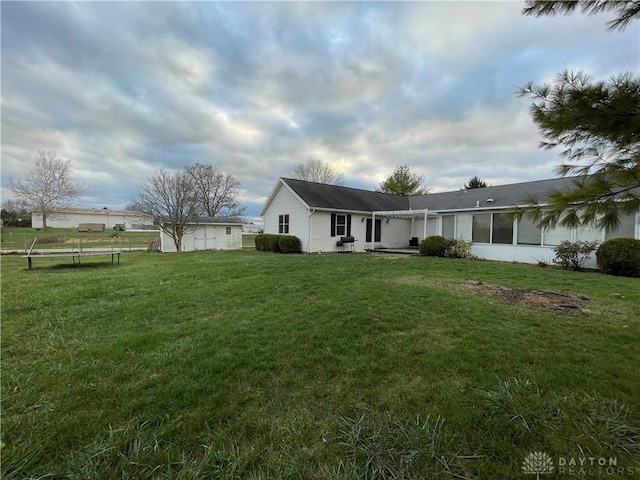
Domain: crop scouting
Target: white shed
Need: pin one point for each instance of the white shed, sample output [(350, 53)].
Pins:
[(207, 234)]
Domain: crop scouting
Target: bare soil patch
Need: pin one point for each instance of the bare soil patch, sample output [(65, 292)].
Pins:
[(566, 303)]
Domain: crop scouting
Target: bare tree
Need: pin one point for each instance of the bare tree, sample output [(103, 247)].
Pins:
[(314, 170), (216, 193), (48, 185), (170, 199)]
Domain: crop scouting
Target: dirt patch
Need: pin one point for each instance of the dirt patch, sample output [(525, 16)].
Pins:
[(567, 303)]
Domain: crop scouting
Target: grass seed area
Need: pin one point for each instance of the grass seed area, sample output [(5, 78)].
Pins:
[(255, 365)]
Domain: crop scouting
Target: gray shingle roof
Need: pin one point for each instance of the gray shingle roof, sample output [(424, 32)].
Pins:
[(502, 195), (320, 195)]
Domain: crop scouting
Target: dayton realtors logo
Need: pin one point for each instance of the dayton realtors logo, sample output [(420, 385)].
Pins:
[(540, 463), (537, 463)]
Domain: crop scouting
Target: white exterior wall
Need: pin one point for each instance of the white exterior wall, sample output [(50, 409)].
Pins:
[(73, 220), (396, 233), (286, 203), (433, 226), (206, 237), (321, 238)]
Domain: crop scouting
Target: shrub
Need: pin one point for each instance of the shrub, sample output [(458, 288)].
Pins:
[(574, 254), (289, 244), (154, 246), (435, 246), (261, 241), (460, 249), (271, 243), (44, 240), (278, 243), (619, 256)]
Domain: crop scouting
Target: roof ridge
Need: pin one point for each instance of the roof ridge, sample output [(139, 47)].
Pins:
[(345, 187)]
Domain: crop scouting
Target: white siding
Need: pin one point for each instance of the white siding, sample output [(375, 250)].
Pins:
[(321, 238), (206, 237), (396, 233), (286, 203)]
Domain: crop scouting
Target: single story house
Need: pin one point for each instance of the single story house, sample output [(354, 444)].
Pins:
[(73, 217), (320, 215), (210, 233)]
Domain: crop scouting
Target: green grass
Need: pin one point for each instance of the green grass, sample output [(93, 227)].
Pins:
[(255, 365)]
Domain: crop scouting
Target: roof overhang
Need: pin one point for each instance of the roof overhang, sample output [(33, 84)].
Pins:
[(403, 213)]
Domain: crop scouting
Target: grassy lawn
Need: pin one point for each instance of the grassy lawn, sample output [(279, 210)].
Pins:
[(256, 365)]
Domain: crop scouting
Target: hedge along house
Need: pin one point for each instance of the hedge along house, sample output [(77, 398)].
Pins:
[(73, 217), (321, 214), (211, 233)]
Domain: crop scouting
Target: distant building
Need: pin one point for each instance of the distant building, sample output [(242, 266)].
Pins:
[(74, 217), (252, 228)]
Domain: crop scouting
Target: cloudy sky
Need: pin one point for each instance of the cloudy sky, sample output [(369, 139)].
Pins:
[(122, 89)]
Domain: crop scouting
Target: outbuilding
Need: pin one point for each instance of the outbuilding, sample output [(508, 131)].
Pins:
[(209, 233)]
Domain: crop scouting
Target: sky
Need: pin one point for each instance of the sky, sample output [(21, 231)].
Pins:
[(122, 89)]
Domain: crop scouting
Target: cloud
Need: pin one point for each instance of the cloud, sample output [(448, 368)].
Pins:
[(123, 89)]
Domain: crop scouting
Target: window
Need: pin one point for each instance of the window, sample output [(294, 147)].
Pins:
[(340, 225), (228, 230), (449, 226), (626, 228), (492, 228), (283, 224), (553, 236), (481, 228), (528, 232), (502, 229)]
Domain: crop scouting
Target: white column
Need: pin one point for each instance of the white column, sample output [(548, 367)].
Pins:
[(424, 232), (373, 230)]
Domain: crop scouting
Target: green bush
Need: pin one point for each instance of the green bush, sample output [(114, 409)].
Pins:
[(289, 244), (272, 243), (574, 255), (619, 256), (260, 241), (278, 243), (435, 246)]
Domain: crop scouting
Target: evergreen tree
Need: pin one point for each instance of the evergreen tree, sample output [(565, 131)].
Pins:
[(475, 182), (403, 182), (597, 124)]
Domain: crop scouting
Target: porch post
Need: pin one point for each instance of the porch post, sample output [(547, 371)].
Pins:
[(424, 232), (373, 230)]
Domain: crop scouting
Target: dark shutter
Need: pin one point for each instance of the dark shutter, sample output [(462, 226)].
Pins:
[(333, 224), (348, 225)]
